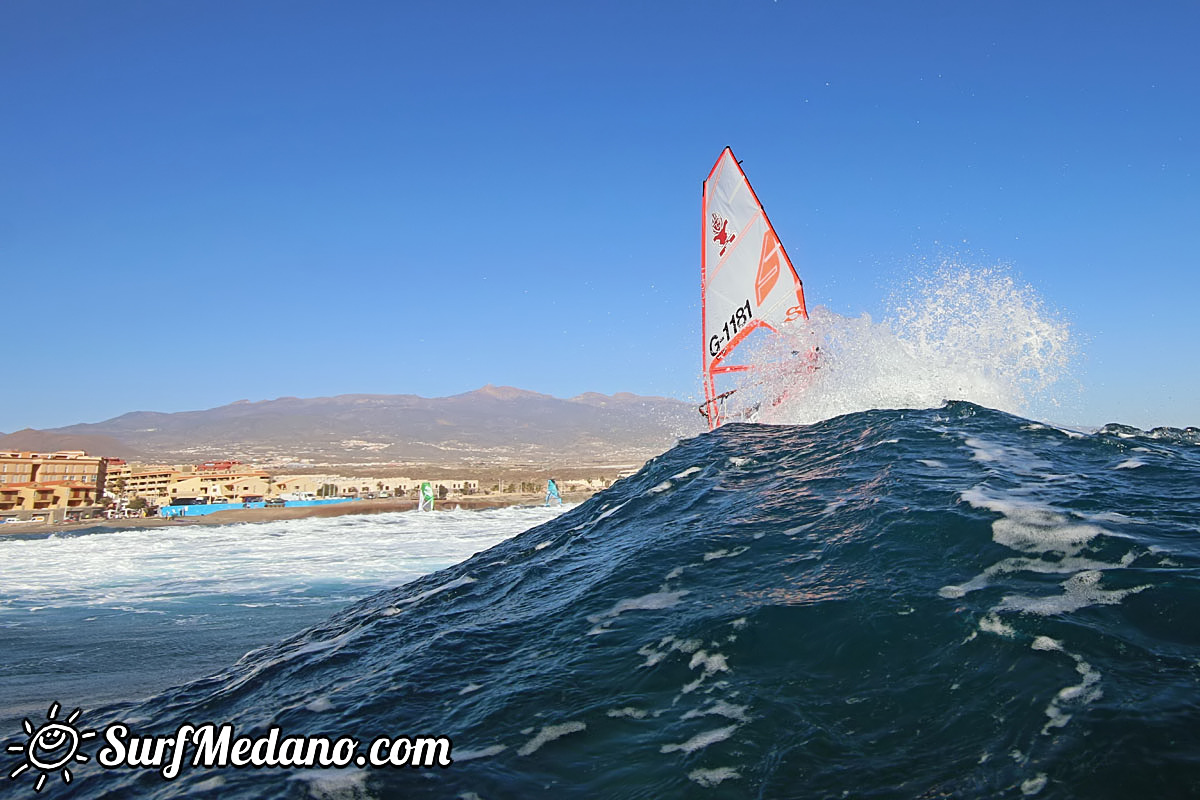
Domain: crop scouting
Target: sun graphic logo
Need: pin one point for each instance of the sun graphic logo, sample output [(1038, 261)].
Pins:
[(51, 747)]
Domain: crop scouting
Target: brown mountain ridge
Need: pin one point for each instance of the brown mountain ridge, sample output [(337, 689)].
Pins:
[(491, 426)]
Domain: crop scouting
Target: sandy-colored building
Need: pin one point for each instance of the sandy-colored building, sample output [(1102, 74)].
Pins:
[(50, 486), (234, 486), (151, 482), (117, 474), (210, 482), (386, 486)]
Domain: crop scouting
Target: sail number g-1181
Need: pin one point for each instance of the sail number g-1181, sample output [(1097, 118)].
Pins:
[(737, 320)]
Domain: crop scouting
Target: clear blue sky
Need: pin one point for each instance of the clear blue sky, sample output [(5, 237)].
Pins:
[(206, 201)]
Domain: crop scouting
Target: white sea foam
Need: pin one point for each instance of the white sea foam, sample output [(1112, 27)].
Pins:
[(157, 569), (665, 646), (709, 778), (719, 708), (548, 734), (1034, 785), (1030, 527), (208, 785), (710, 663), (1083, 693), (1131, 463), (609, 512), (647, 602), (1042, 566), (700, 740), (628, 712), (332, 784), (462, 580), (737, 551), (991, 623), (483, 752), (1079, 591)]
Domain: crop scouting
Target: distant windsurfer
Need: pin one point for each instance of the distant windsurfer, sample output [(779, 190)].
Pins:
[(426, 500), (552, 492)]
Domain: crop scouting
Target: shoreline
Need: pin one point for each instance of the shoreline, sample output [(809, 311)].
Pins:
[(235, 515)]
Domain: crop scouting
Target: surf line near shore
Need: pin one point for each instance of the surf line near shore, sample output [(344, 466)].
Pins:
[(240, 515)]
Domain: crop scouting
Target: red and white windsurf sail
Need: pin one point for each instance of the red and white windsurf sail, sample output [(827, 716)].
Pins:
[(748, 285)]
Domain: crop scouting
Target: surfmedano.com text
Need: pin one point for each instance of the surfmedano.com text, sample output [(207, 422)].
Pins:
[(214, 746)]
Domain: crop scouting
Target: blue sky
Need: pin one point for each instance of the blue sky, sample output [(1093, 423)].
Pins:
[(207, 201)]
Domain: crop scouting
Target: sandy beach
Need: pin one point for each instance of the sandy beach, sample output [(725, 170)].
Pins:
[(378, 506)]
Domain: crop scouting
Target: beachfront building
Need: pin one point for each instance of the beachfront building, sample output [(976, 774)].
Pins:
[(210, 482), (116, 475), (302, 484), (234, 485), (375, 487), (50, 487), (151, 482)]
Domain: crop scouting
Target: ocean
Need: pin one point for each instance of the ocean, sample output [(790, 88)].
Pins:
[(102, 615), (945, 602)]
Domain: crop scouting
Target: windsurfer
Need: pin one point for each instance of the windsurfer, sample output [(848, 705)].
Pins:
[(552, 492), (749, 289)]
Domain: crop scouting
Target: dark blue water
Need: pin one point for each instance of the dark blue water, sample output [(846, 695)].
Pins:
[(941, 603)]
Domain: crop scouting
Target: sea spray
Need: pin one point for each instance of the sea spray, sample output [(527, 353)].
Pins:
[(956, 333)]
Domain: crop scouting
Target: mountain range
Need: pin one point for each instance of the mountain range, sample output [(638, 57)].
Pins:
[(491, 427)]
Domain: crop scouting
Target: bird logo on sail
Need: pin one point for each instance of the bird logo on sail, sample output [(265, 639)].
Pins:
[(721, 234)]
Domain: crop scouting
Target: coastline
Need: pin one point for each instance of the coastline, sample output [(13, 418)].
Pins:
[(377, 506)]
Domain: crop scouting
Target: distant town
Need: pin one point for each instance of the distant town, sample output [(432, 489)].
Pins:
[(73, 486)]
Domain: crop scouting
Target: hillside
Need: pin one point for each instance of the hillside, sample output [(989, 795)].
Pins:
[(495, 426)]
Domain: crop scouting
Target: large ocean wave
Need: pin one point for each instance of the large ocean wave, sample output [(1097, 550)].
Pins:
[(908, 603)]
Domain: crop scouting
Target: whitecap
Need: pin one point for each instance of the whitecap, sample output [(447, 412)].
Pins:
[(687, 472), (319, 705), (484, 752), (709, 778), (991, 623), (445, 587), (647, 602), (1079, 591), (719, 708), (737, 551), (1034, 784), (700, 740), (627, 711), (548, 734)]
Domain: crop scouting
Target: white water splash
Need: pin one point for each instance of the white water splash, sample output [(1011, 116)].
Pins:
[(153, 570), (959, 333)]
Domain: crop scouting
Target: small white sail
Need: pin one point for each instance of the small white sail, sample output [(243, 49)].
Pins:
[(748, 283)]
